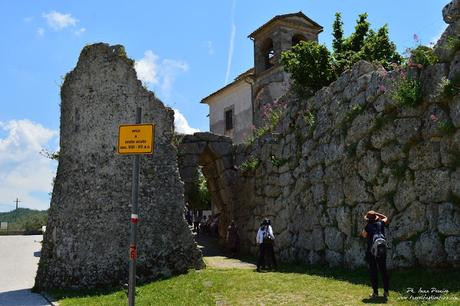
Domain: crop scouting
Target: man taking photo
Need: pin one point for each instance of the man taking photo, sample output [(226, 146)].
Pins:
[(374, 231)]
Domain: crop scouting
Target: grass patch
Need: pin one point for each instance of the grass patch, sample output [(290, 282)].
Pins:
[(408, 92), (291, 285), (278, 162), (446, 127), (250, 164)]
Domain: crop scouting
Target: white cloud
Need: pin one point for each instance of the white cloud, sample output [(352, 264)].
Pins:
[(24, 173), (168, 72), (58, 21), (231, 44), (160, 74), (147, 68), (79, 31), (41, 32), (181, 125)]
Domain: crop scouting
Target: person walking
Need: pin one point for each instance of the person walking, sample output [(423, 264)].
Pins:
[(374, 231), (265, 239), (196, 222), (233, 239)]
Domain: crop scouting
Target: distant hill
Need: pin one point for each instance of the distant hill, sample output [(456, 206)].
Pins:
[(25, 219)]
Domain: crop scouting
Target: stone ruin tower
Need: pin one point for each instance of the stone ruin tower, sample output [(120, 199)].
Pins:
[(87, 239), (279, 34)]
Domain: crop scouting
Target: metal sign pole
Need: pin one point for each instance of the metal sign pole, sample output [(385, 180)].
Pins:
[(134, 219)]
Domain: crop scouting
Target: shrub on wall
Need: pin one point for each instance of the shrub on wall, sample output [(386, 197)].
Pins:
[(310, 65), (422, 56), (408, 92)]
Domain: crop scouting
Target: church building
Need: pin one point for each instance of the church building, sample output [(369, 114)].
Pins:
[(234, 110)]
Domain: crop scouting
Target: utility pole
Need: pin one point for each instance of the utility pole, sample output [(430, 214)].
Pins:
[(17, 201)]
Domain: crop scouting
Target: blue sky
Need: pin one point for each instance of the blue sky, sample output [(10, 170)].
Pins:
[(184, 51)]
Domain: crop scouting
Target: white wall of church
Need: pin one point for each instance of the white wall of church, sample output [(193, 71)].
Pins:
[(238, 97)]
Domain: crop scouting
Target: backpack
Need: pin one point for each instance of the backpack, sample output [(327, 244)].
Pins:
[(266, 236), (379, 244)]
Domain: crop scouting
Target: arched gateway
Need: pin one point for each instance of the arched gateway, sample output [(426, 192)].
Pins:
[(215, 155)]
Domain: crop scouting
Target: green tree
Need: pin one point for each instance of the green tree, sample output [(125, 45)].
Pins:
[(380, 49), (337, 42), (199, 197), (356, 40), (310, 65), (364, 43)]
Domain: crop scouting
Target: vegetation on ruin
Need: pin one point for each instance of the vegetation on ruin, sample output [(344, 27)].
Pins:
[(291, 285), (352, 114), (310, 120), (421, 56), (450, 87), (250, 164), (49, 154), (446, 127), (271, 115), (278, 162), (363, 44), (408, 91), (199, 196), (312, 66), (453, 43)]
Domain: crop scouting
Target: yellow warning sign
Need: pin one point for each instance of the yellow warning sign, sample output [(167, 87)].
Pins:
[(136, 138)]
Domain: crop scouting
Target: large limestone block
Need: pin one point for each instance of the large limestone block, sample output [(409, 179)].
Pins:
[(451, 12), (449, 219), (334, 259), (455, 182), (429, 250), (334, 239), (431, 78), (406, 129), (455, 111), (369, 166), (318, 239), (410, 222), (403, 255), (405, 194), (355, 252), (432, 185), (425, 155), (344, 224), (87, 239), (452, 247), (355, 190), (362, 125)]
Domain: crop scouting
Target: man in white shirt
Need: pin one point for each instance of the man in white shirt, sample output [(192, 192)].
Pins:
[(265, 239)]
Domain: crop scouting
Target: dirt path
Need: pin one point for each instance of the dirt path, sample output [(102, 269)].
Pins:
[(216, 257)]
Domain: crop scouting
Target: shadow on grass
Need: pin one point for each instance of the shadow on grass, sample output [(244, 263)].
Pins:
[(377, 300), (411, 282)]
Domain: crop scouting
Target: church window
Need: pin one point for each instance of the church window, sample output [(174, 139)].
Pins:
[(297, 39), (269, 53), (229, 119)]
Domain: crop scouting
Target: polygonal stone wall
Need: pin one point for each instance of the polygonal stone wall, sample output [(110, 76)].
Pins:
[(352, 148), (87, 239)]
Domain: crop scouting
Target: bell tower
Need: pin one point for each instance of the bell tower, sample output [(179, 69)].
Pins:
[(277, 35)]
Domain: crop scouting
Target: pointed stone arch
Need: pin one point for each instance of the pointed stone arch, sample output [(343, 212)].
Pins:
[(215, 155)]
